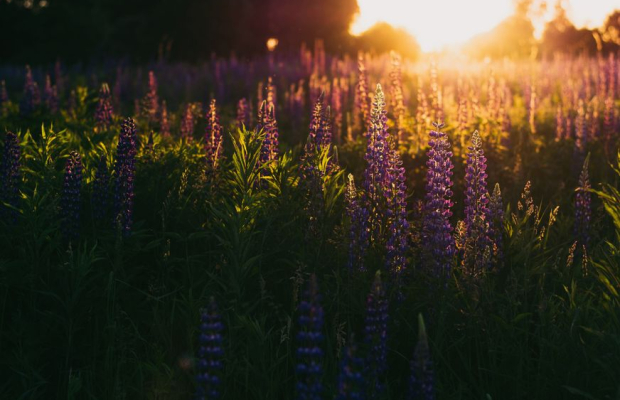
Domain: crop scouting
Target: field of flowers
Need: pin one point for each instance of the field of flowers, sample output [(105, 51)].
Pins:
[(305, 226)]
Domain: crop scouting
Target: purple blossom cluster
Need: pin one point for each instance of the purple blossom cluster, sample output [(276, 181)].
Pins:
[(583, 206), (32, 97), (496, 224), (358, 231), (375, 338), (350, 378), (421, 382), (50, 96), (477, 246), (10, 176), (187, 123), (104, 113), (214, 139), (71, 197), (269, 126), (437, 242), (124, 175), (398, 230), (309, 368), (209, 364), (396, 94), (150, 103), (362, 102)]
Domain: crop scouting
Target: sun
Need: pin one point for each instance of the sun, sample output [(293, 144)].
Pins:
[(434, 24), (439, 23)]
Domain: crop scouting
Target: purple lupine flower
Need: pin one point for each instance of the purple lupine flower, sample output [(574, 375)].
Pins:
[(375, 337), (421, 382), (10, 176), (583, 206), (71, 197), (104, 113), (398, 231), (358, 231), (187, 124), (309, 366), (377, 152), (101, 191), (609, 125), (210, 364), (496, 224), (477, 245), (337, 106), (350, 378), (124, 175), (437, 241), (164, 123), (316, 126), (271, 95), (243, 114), (4, 99), (150, 102), (31, 97), (362, 103), (50, 96), (268, 124), (581, 133), (396, 91), (213, 138)]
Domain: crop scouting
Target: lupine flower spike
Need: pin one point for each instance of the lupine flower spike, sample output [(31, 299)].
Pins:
[(309, 367), (71, 197), (496, 224), (437, 242), (350, 378), (187, 124), (124, 175), (421, 383), (104, 112), (32, 97), (376, 338), (213, 138), (164, 123), (477, 246), (210, 354)]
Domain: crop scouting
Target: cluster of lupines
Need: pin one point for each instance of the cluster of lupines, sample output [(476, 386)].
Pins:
[(214, 139), (350, 378), (375, 338), (124, 175), (187, 123), (209, 364), (377, 152), (10, 176), (150, 102), (243, 114), (396, 92), (268, 124), (32, 97), (71, 197), (421, 383), (362, 105), (104, 113), (437, 241), (50, 96), (164, 123), (583, 205), (358, 231), (309, 366), (101, 188), (398, 231), (477, 246)]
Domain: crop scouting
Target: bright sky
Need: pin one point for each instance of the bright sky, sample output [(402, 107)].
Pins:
[(437, 23)]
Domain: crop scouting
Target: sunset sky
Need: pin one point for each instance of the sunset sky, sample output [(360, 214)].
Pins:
[(438, 23)]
